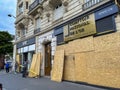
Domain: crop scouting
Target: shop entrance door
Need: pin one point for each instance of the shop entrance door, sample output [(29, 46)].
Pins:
[(25, 56), (47, 59)]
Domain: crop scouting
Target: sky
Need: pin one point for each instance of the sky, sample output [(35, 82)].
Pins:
[(7, 23)]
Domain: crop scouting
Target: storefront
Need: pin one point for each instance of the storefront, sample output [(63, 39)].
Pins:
[(91, 46), (25, 50)]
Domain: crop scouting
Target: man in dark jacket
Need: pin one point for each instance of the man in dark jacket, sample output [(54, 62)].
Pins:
[(24, 69)]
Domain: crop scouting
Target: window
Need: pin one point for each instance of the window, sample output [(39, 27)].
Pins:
[(58, 12), (92, 1), (23, 32), (105, 25), (26, 5), (32, 1), (86, 1), (37, 23), (60, 39), (20, 8), (18, 33), (58, 32)]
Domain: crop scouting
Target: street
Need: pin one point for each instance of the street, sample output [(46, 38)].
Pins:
[(12, 81)]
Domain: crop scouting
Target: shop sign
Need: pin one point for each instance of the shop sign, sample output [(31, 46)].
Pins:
[(26, 42), (81, 27), (106, 12)]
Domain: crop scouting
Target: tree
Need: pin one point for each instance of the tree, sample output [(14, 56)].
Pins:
[(6, 46)]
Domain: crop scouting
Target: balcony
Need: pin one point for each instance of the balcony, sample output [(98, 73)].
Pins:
[(36, 4), (19, 17), (91, 3), (36, 31)]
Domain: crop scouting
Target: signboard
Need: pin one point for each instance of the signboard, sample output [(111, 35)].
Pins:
[(81, 27), (106, 12), (26, 42)]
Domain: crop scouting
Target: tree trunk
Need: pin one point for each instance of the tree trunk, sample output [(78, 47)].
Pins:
[(2, 61)]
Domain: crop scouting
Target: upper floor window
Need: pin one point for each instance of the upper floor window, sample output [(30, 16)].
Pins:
[(23, 32), (89, 3), (17, 34), (32, 1), (37, 23), (27, 5), (86, 1), (20, 8), (92, 1), (58, 12)]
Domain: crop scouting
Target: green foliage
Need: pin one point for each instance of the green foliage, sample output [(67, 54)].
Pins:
[(6, 45)]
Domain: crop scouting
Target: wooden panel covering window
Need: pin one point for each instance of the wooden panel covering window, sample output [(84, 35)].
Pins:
[(18, 62), (35, 66), (57, 70)]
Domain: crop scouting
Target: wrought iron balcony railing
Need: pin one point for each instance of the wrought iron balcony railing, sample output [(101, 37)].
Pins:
[(34, 4), (90, 3)]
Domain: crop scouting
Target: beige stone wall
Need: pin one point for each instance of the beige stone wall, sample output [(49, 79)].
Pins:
[(95, 60), (30, 30), (74, 7)]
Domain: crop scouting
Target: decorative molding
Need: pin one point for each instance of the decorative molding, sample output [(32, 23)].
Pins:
[(65, 4), (40, 12), (47, 6)]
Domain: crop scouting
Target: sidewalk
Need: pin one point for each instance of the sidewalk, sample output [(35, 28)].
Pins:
[(13, 81)]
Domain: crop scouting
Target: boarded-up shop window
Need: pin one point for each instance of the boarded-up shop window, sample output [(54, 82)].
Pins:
[(105, 25), (60, 39)]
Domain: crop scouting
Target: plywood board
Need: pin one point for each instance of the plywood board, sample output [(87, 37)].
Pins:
[(70, 48), (84, 44), (80, 67), (18, 62), (32, 72), (107, 42), (105, 68), (35, 66), (38, 64), (69, 68), (18, 59), (58, 64)]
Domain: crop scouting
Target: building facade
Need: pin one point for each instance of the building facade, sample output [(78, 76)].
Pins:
[(87, 30)]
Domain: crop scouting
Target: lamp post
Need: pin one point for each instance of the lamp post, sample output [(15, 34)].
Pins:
[(14, 48), (10, 15)]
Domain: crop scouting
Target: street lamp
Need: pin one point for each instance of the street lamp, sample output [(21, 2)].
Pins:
[(14, 50), (10, 15)]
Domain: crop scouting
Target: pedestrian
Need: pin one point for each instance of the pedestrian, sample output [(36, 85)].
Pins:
[(24, 69), (16, 66), (7, 67), (0, 86)]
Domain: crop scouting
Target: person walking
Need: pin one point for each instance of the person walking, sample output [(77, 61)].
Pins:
[(24, 69), (7, 67), (16, 67)]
